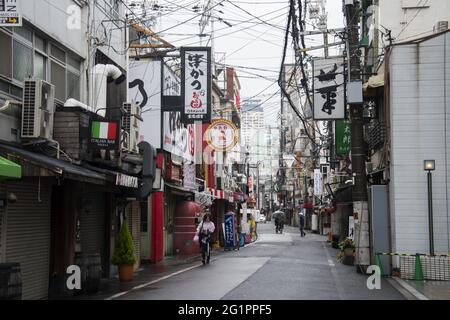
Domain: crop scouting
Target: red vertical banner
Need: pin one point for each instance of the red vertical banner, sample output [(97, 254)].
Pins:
[(157, 227), (160, 160), (211, 180)]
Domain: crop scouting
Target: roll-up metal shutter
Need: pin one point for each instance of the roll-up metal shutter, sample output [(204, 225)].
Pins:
[(28, 234), (93, 224), (2, 216), (134, 225)]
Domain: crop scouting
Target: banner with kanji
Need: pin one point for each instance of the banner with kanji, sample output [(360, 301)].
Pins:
[(196, 84), (329, 88), (343, 137)]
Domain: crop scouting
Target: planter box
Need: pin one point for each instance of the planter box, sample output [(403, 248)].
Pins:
[(348, 260)]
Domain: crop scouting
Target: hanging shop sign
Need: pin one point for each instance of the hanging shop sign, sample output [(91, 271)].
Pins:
[(144, 89), (222, 135), (329, 88), (178, 138), (127, 181), (203, 199), (196, 84), (317, 182), (343, 137), (189, 176), (10, 13), (104, 135)]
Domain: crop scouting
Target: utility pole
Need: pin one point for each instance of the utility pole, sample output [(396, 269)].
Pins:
[(280, 179), (359, 192)]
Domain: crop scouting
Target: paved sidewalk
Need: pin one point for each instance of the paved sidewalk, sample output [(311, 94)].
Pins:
[(427, 290), (148, 273)]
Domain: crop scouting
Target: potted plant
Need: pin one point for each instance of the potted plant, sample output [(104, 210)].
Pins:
[(347, 253), (123, 256)]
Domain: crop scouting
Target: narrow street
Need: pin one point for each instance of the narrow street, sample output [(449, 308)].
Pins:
[(276, 267), (135, 133)]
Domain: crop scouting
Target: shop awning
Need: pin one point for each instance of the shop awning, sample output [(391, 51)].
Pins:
[(9, 169), (375, 81), (344, 194), (58, 167)]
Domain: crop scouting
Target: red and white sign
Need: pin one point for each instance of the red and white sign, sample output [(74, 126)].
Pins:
[(222, 135), (218, 194)]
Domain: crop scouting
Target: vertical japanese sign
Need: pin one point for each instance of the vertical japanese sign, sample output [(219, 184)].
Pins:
[(189, 176), (196, 84), (144, 89), (343, 137), (329, 89), (317, 182), (10, 13), (178, 138), (229, 232)]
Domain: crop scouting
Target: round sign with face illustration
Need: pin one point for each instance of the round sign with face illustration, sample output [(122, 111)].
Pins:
[(222, 135)]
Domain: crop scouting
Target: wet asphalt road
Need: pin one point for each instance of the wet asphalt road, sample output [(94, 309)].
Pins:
[(276, 267)]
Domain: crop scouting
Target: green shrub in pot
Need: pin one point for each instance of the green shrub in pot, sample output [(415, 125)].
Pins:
[(124, 248)]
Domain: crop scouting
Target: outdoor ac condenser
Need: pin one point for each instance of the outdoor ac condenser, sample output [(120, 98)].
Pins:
[(38, 110), (131, 123)]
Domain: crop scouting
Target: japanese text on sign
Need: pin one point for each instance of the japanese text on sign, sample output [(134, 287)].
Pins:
[(10, 13), (329, 89), (196, 78)]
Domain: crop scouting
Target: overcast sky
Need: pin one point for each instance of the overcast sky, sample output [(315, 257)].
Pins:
[(253, 43)]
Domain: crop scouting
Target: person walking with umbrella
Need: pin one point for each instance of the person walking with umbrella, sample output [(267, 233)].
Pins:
[(301, 214)]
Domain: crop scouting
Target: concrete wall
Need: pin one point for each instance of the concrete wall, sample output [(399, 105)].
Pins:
[(38, 12), (407, 20), (420, 118)]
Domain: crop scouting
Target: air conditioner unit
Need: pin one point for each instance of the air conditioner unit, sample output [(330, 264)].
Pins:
[(441, 26), (38, 109), (131, 123)]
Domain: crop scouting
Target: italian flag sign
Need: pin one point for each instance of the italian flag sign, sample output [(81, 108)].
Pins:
[(104, 130)]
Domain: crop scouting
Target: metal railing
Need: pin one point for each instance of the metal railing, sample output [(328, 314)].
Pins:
[(420, 266)]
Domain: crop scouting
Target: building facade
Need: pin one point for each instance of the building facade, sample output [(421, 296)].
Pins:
[(56, 85)]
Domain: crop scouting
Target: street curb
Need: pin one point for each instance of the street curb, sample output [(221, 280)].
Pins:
[(123, 293), (396, 282)]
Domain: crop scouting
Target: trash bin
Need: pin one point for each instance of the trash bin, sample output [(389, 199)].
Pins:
[(10, 281)]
